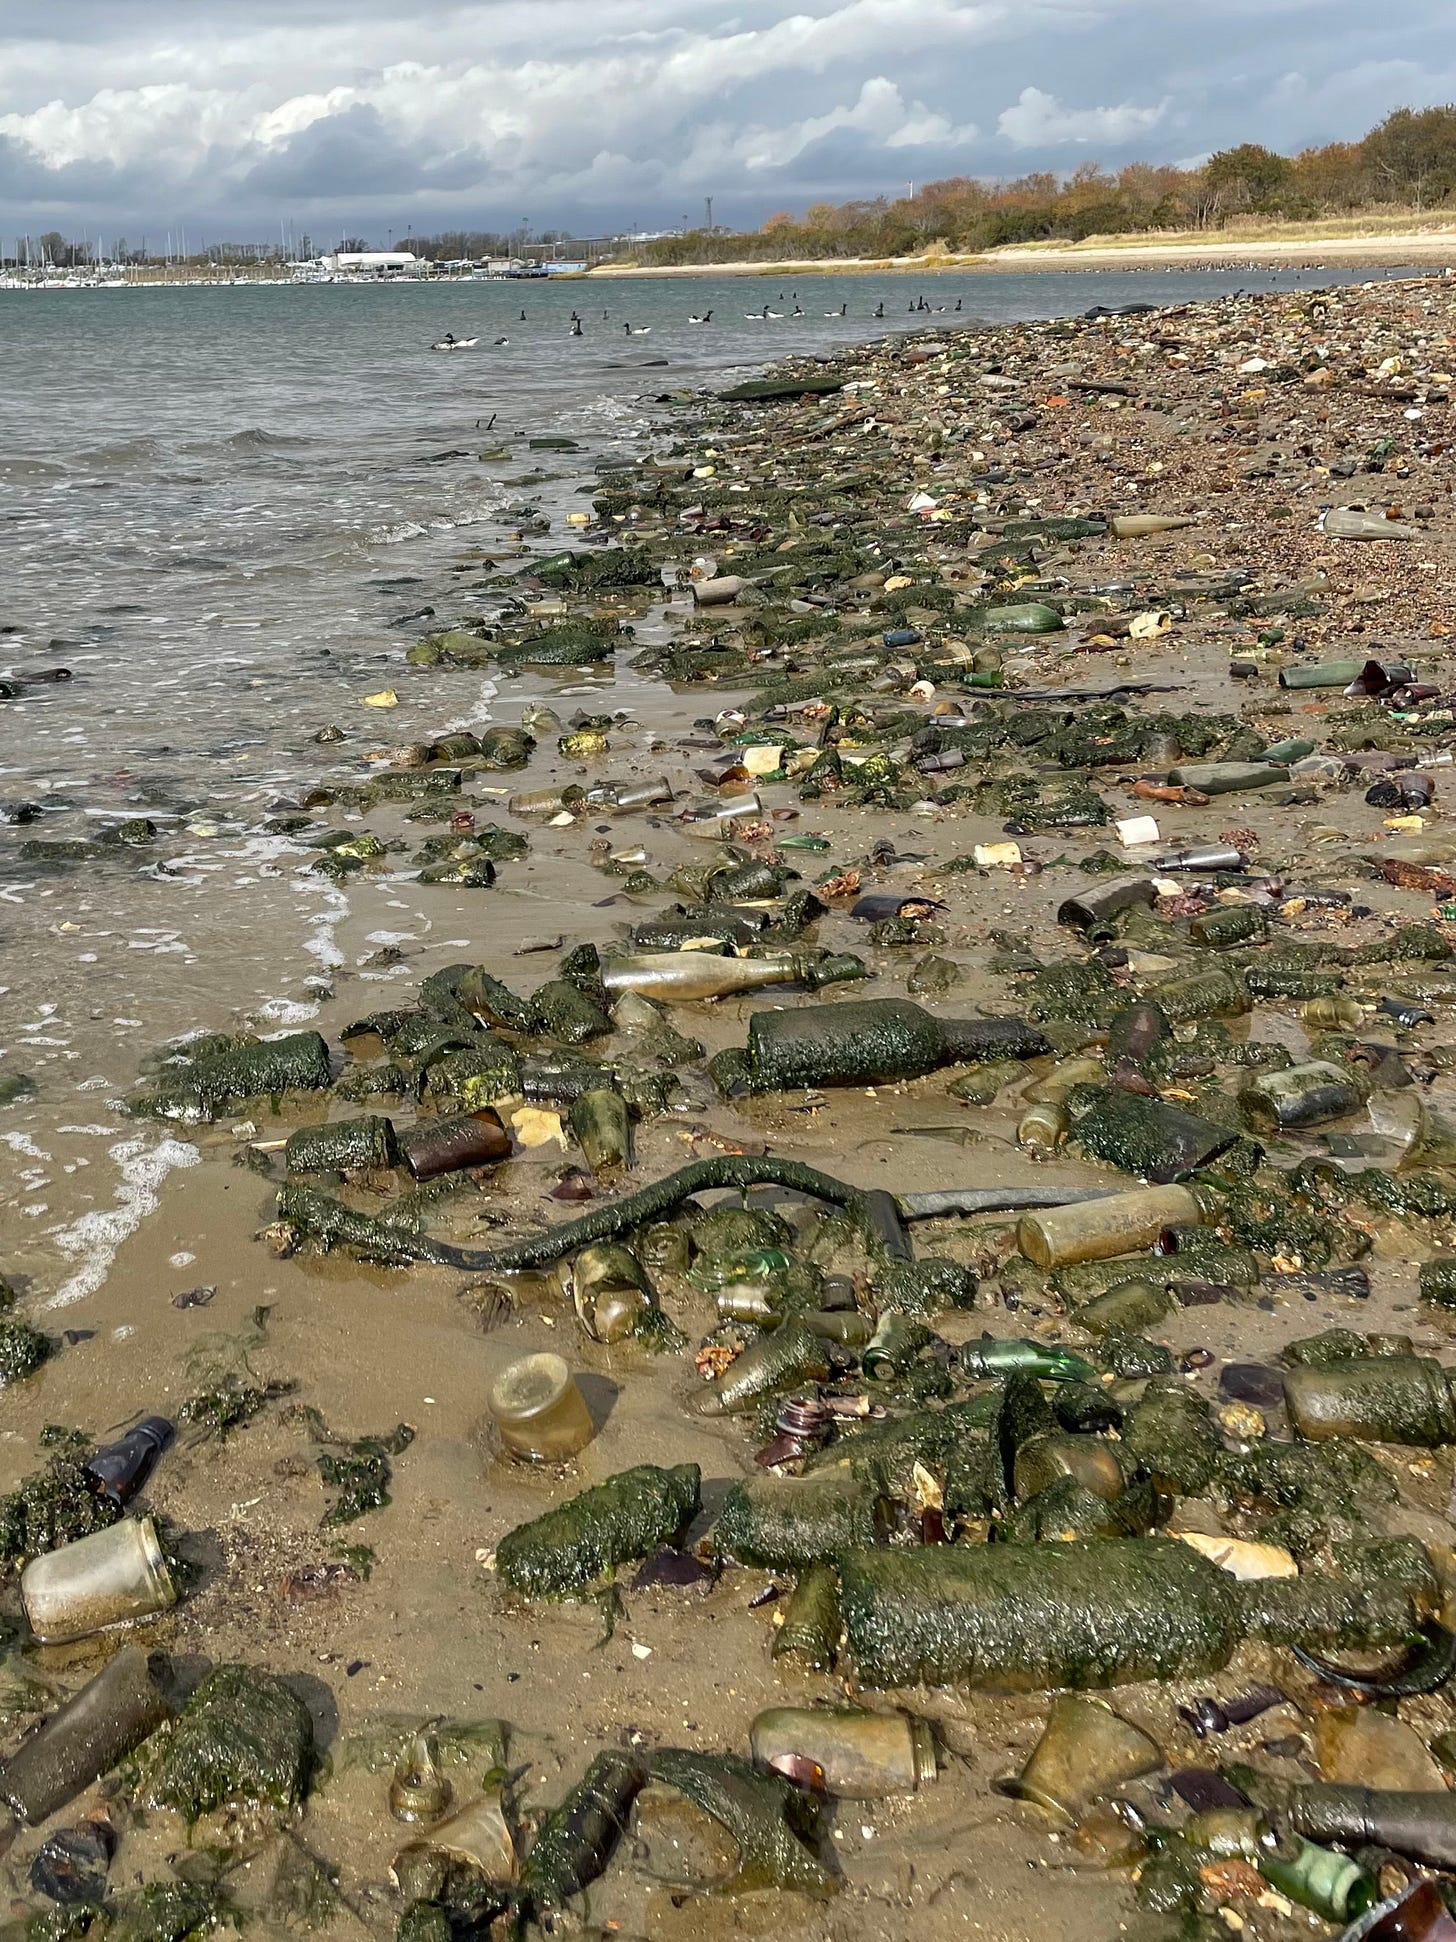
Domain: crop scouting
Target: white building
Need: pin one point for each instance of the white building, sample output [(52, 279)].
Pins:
[(374, 262)]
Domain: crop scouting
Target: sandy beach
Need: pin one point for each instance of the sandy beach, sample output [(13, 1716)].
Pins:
[(1435, 247)]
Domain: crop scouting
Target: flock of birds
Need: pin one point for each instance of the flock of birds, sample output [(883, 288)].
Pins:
[(577, 326)]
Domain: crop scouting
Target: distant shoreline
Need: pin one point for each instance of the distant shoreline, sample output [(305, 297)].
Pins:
[(1433, 248)]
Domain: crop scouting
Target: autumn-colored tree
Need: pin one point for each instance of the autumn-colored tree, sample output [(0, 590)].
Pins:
[(1413, 155), (1248, 177)]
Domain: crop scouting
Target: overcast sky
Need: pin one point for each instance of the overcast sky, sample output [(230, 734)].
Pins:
[(118, 116)]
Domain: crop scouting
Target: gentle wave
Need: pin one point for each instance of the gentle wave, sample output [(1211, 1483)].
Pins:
[(254, 439)]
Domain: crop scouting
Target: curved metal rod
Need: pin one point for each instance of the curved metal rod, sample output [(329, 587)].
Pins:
[(993, 1200)]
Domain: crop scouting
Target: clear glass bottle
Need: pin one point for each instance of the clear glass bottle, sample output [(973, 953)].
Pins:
[(110, 1578)]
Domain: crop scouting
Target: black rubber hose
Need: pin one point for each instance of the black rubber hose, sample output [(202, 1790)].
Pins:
[(652, 1203), (319, 1217)]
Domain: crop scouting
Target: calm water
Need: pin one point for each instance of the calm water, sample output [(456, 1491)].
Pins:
[(220, 507), (203, 488)]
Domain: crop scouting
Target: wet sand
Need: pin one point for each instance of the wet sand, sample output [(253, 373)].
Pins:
[(429, 1632)]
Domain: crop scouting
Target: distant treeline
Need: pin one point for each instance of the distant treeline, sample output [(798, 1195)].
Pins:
[(1408, 162)]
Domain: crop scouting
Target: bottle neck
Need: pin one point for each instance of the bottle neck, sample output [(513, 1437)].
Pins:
[(1324, 1613)]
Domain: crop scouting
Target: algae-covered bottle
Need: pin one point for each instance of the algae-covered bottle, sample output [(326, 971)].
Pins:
[(1089, 1615), (1224, 778), (1300, 1095), (1378, 1398), (1095, 1230), (867, 1041)]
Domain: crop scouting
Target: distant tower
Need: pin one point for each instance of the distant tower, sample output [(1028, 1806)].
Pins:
[(709, 201)]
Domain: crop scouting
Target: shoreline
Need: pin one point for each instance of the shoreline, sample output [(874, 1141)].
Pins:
[(1400, 250)]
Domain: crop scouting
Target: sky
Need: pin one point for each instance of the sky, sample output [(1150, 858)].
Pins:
[(132, 117)]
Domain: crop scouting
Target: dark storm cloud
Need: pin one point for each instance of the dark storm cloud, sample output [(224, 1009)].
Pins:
[(118, 112)]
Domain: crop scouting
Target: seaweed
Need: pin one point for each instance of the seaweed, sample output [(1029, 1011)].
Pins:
[(597, 572), (360, 1476), (771, 1822), (50, 1508), (22, 1349), (244, 1738), (232, 1402), (169, 1911)]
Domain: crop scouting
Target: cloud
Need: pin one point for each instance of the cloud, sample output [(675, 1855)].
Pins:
[(230, 115), (1038, 120)]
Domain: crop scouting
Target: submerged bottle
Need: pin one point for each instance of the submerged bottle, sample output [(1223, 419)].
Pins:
[(809, 1635), (682, 977), (1332, 1885), (1322, 674), (990, 1359), (610, 1291), (602, 1127), (1095, 1230), (872, 1040), (1086, 1751), (539, 1410), (785, 1359), (419, 1791)]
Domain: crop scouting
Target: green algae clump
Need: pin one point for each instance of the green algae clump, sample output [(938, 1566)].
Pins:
[(243, 1739), (51, 1508)]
